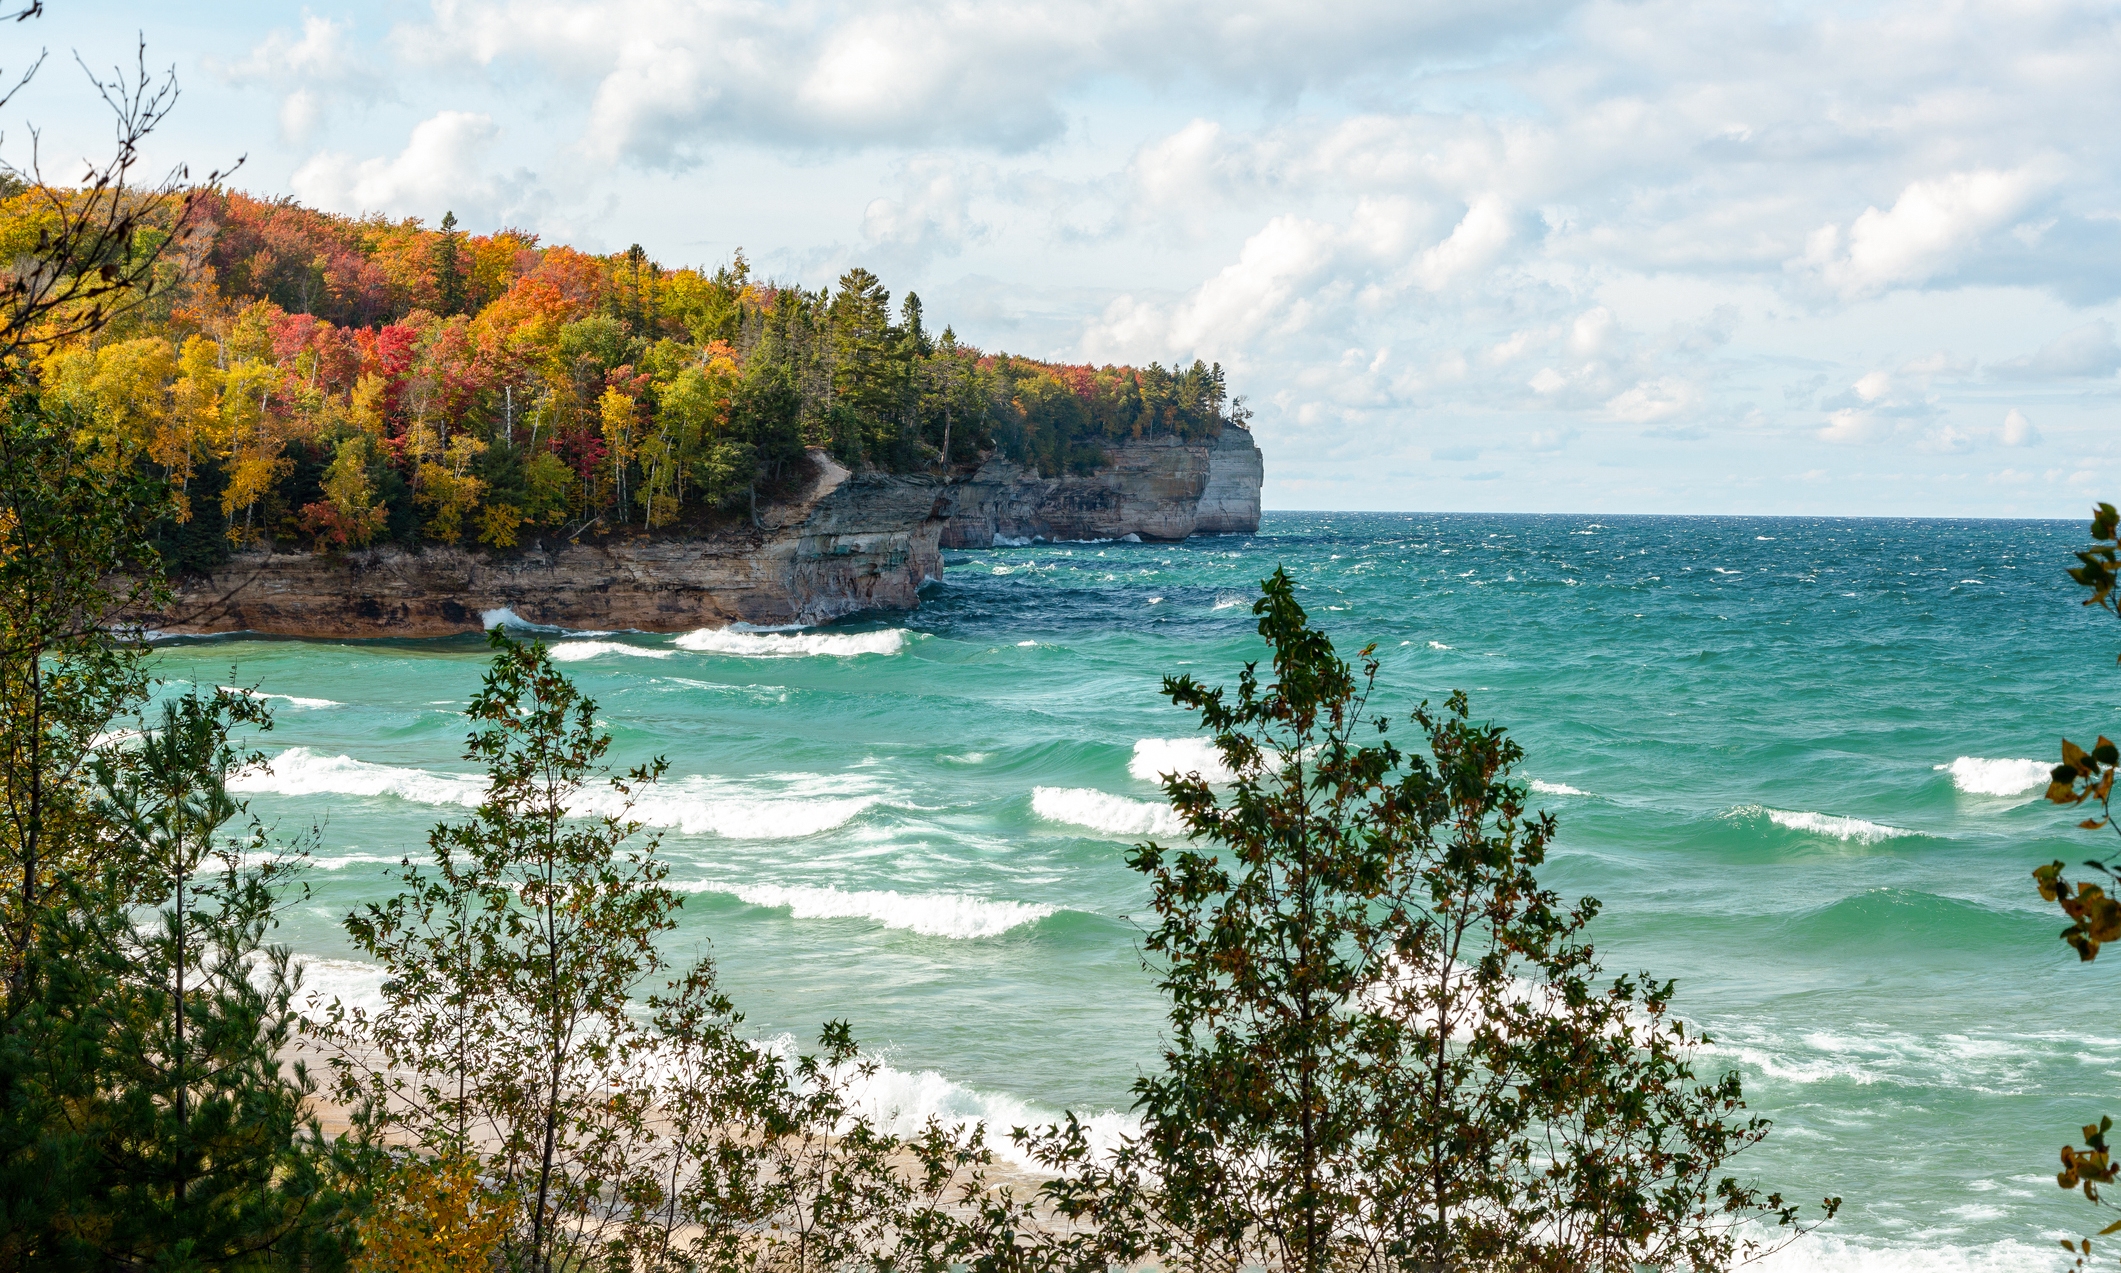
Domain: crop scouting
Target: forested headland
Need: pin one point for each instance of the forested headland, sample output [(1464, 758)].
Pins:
[(306, 380)]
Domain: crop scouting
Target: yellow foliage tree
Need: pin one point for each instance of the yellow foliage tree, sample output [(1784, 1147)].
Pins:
[(450, 489), (622, 422), (432, 1216)]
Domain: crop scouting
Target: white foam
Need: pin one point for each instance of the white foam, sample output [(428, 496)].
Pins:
[(1101, 811), (577, 651), (1227, 603), (351, 982), (782, 807), (1006, 541), (955, 915), (1831, 1253), (1839, 828), (1979, 777), (292, 700), (1556, 789), (774, 645), (1155, 757), (299, 771), (345, 860), (901, 1103), (1438, 645), (790, 807)]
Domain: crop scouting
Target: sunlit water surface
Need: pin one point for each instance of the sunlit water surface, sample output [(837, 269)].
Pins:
[(1798, 759)]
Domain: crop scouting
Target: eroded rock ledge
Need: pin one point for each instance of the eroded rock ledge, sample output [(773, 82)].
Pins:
[(849, 543), (1155, 489)]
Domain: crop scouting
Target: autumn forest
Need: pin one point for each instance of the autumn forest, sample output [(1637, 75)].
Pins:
[(311, 381)]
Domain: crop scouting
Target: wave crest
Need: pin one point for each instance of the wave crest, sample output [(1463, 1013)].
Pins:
[(1155, 757), (799, 805), (300, 771), (577, 651), (292, 700), (1978, 776), (1102, 811), (955, 915), (780, 645), (1830, 825)]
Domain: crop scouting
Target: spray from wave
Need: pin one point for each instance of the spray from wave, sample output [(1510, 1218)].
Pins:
[(778, 645), (510, 620), (1977, 776), (1101, 811), (1557, 789)]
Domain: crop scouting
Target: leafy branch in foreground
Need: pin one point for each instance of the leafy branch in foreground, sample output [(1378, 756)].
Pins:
[(2094, 912), (544, 1107), (1390, 1048), (99, 242)]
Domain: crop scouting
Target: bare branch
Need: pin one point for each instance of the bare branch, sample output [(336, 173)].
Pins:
[(99, 242)]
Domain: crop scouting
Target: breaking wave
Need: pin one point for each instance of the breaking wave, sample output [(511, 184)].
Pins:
[(507, 618), (292, 700), (1854, 830), (1155, 757), (299, 771), (802, 805), (955, 915), (1102, 811), (1557, 789), (577, 651), (778, 645), (1979, 777), (796, 805), (902, 1103)]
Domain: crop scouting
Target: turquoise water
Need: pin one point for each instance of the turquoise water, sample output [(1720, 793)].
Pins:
[(1748, 728)]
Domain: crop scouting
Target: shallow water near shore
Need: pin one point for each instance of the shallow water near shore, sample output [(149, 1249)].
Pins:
[(1797, 759)]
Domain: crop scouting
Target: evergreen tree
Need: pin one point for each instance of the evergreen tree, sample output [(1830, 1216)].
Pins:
[(1390, 1048), (449, 267)]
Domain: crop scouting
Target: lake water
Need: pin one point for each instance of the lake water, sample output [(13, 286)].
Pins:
[(1798, 759)]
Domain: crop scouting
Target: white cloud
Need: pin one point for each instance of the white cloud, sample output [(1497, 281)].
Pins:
[(671, 77), (1474, 243), (1930, 228), (932, 212), (441, 168), (2018, 431), (1653, 401), (2087, 351), (315, 72)]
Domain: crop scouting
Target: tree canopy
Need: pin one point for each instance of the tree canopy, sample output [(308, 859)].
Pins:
[(310, 380)]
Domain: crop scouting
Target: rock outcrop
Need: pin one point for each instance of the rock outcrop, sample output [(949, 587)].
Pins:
[(1159, 488), (850, 543)]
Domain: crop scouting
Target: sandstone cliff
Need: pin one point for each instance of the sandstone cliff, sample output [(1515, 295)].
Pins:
[(848, 544), (1155, 489)]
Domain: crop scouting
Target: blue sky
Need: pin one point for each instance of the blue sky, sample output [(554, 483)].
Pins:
[(1512, 255)]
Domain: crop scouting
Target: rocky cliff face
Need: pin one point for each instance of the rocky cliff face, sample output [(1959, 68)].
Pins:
[(850, 543), (1155, 488)]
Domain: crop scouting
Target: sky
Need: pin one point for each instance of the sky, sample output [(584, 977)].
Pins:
[(1669, 256)]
